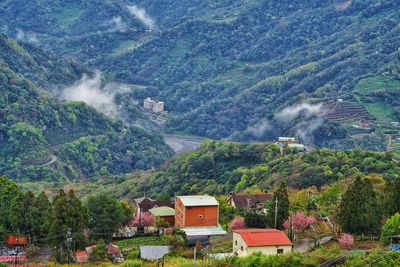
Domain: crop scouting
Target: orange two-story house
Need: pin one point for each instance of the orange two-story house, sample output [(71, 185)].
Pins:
[(196, 211)]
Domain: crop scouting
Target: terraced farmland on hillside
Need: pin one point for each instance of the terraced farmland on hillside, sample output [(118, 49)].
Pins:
[(346, 111)]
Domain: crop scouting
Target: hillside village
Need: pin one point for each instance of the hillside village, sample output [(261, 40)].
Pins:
[(180, 133), (210, 231)]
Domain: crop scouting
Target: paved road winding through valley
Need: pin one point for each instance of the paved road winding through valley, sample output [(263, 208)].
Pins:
[(182, 145)]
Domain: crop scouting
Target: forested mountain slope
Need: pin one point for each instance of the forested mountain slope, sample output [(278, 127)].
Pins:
[(218, 168), (44, 139), (227, 69), (227, 75)]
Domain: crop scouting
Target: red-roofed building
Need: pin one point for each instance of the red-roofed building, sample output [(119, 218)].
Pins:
[(81, 257), (266, 241)]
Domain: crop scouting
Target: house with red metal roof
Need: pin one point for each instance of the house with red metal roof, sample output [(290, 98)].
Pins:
[(266, 241), (81, 257)]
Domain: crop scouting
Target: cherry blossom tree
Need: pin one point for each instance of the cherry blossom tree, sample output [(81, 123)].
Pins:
[(346, 239), (237, 223), (299, 222), (146, 219)]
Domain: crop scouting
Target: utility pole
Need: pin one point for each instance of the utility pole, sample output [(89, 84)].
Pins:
[(276, 211), (194, 257)]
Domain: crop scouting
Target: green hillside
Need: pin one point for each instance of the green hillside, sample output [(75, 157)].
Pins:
[(226, 69), (79, 29), (218, 168), (223, 76), (42, 138)]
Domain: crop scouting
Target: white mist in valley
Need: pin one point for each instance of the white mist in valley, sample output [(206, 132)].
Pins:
[(93, 92), (142, 15), (311, 118)]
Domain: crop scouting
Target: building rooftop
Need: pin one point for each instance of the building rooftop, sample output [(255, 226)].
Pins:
[(198, 201), (242, 201), (283, 139), (203, 231), (145, 203), (264, 237), (162, 211), (153, 252)]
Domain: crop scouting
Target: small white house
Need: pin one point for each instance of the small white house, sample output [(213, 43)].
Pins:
[(266, 241)]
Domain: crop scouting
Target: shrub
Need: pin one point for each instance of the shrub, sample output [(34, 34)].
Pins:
[(237, 223), (132, 263), (391, 227), (346, 239), (134, 254)]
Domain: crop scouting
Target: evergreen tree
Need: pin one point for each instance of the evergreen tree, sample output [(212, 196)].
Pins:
[(99, 252), (41, 215), (256, 218), (9, 192), (280, 195), (106, 215), (21, 214), (391, 198), (359, 211), (70, 219)]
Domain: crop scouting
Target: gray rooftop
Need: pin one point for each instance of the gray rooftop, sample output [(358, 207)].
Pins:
[(153, 252), (193, 201)]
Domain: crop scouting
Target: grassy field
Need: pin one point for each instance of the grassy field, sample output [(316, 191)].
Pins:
[(134, 243), (370, 84), (380, 110)]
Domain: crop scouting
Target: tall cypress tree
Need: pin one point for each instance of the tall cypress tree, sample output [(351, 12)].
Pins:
[(70, 219), (359, 211), (391, 198), (22, 206), (282, 196), (41, 215)]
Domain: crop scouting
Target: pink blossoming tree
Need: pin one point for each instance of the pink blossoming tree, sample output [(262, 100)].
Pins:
[(237, 223), (346, 239), (299, 222), (146, 219)]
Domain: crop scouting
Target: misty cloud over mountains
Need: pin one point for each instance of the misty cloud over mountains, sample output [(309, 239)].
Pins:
[(93, 92), (302, 119), (142, 15)]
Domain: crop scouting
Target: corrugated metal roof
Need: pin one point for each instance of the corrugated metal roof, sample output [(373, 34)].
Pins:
[(162, 211), (204, 231), (153, 252), (193, 201), (283, 139)]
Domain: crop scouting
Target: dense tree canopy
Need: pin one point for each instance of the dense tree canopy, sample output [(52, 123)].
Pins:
[(359, 211)]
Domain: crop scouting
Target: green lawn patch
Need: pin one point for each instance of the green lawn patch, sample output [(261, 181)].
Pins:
[(380, 110), (134, 243), (374, 83)]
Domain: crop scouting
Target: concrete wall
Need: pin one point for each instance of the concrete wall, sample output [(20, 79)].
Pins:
[(238, 244)]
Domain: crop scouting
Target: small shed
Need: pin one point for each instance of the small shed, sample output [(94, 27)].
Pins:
[(153, 253)]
